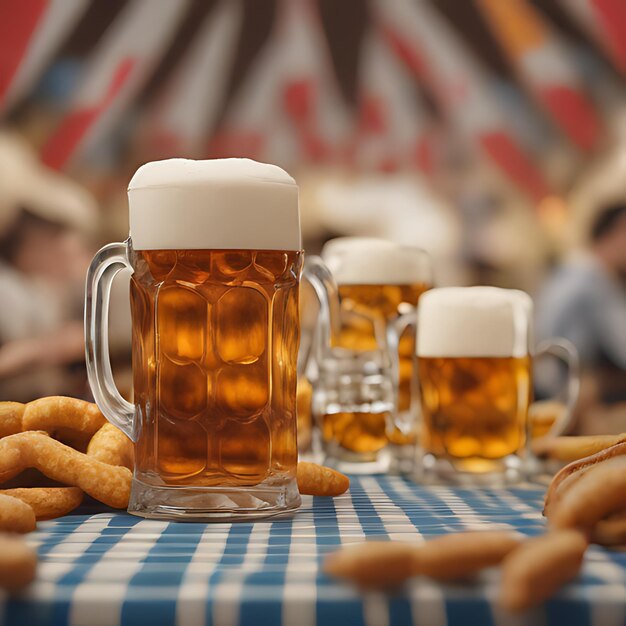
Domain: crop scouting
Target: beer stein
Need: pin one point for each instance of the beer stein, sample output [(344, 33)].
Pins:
[(475, 356), (366, 386), (215, 254)]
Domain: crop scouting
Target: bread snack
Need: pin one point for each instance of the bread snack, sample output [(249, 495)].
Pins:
[(69, 420), (373, 564), (317, 480), (11, 418), (18, 563), (598, 493), (56, 414), (384, 564), (110, 445), (538, 567), (571, 473), (458, 555), (47, 502), (568, 449), (107, 483), (39, 467), (16, 516)]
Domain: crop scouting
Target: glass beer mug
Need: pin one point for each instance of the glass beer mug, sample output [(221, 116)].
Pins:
[(475, 357), (216, 257), (366, 385)]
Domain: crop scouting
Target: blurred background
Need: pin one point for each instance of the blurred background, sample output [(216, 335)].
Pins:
[(491, 133)]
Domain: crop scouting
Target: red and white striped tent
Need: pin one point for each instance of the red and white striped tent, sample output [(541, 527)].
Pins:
[(414, 71)]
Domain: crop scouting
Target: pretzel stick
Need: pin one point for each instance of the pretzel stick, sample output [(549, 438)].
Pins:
[(110, 445), (457, 555), (539, 566), (18, 563), (59, 413), (48, 502), (107, 483), (573, 448), (373, 564), (11, 418), (317, 480), (16, 516), (384, 564), (594, 496)]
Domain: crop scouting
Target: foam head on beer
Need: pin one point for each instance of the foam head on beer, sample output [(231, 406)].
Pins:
[(213, 204), (372, 261), (474, 322)]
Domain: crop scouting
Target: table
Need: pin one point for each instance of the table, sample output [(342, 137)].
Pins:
[(113, 568)]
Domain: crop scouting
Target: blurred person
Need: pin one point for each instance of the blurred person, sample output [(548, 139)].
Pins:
[(44, 219), (585, 302)]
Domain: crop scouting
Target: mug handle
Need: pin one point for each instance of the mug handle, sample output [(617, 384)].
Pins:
[(328, 323), (394, 331), (103, 268), (564, 350)]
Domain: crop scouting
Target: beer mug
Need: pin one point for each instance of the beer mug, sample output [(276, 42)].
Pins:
[(215, 254), (366, 384), (475, 357)]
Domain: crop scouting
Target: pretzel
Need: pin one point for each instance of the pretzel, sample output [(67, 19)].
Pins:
[(458, 555), (373, 564), (110, 445), (48, 503), (56, 414), (317, 480), (16, 516), (383, 564), (539, 566), (18, 563), (600, 492), (571, 473), (107, 483), (11, 418), (570, 449)]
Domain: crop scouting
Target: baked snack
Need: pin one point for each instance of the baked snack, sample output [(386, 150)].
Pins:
[(317, 480)]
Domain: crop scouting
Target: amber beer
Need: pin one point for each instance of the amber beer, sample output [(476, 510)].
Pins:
[(214, 347), (474, 372), (377, 280), (381, 304), (474, 408), (216, 258)]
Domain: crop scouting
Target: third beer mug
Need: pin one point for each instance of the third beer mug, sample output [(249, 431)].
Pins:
[(475, 353), (215, 254)]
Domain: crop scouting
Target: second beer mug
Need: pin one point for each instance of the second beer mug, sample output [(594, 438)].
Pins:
[(216, 260), (475, 354), (364, 396)]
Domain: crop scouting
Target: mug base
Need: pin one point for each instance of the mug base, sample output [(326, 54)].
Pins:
[(213, 504), (353, 463), (471, 473), (403, 459)]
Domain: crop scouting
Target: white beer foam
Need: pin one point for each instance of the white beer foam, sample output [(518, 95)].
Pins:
[(474, 322), (372, 261), (213, 204)]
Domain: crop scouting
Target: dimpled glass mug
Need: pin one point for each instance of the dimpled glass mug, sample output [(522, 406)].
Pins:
[(475, 354), (216, 257), (364, 399)]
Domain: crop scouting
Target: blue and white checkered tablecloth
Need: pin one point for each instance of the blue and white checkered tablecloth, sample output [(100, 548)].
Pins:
[(112, 568)]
